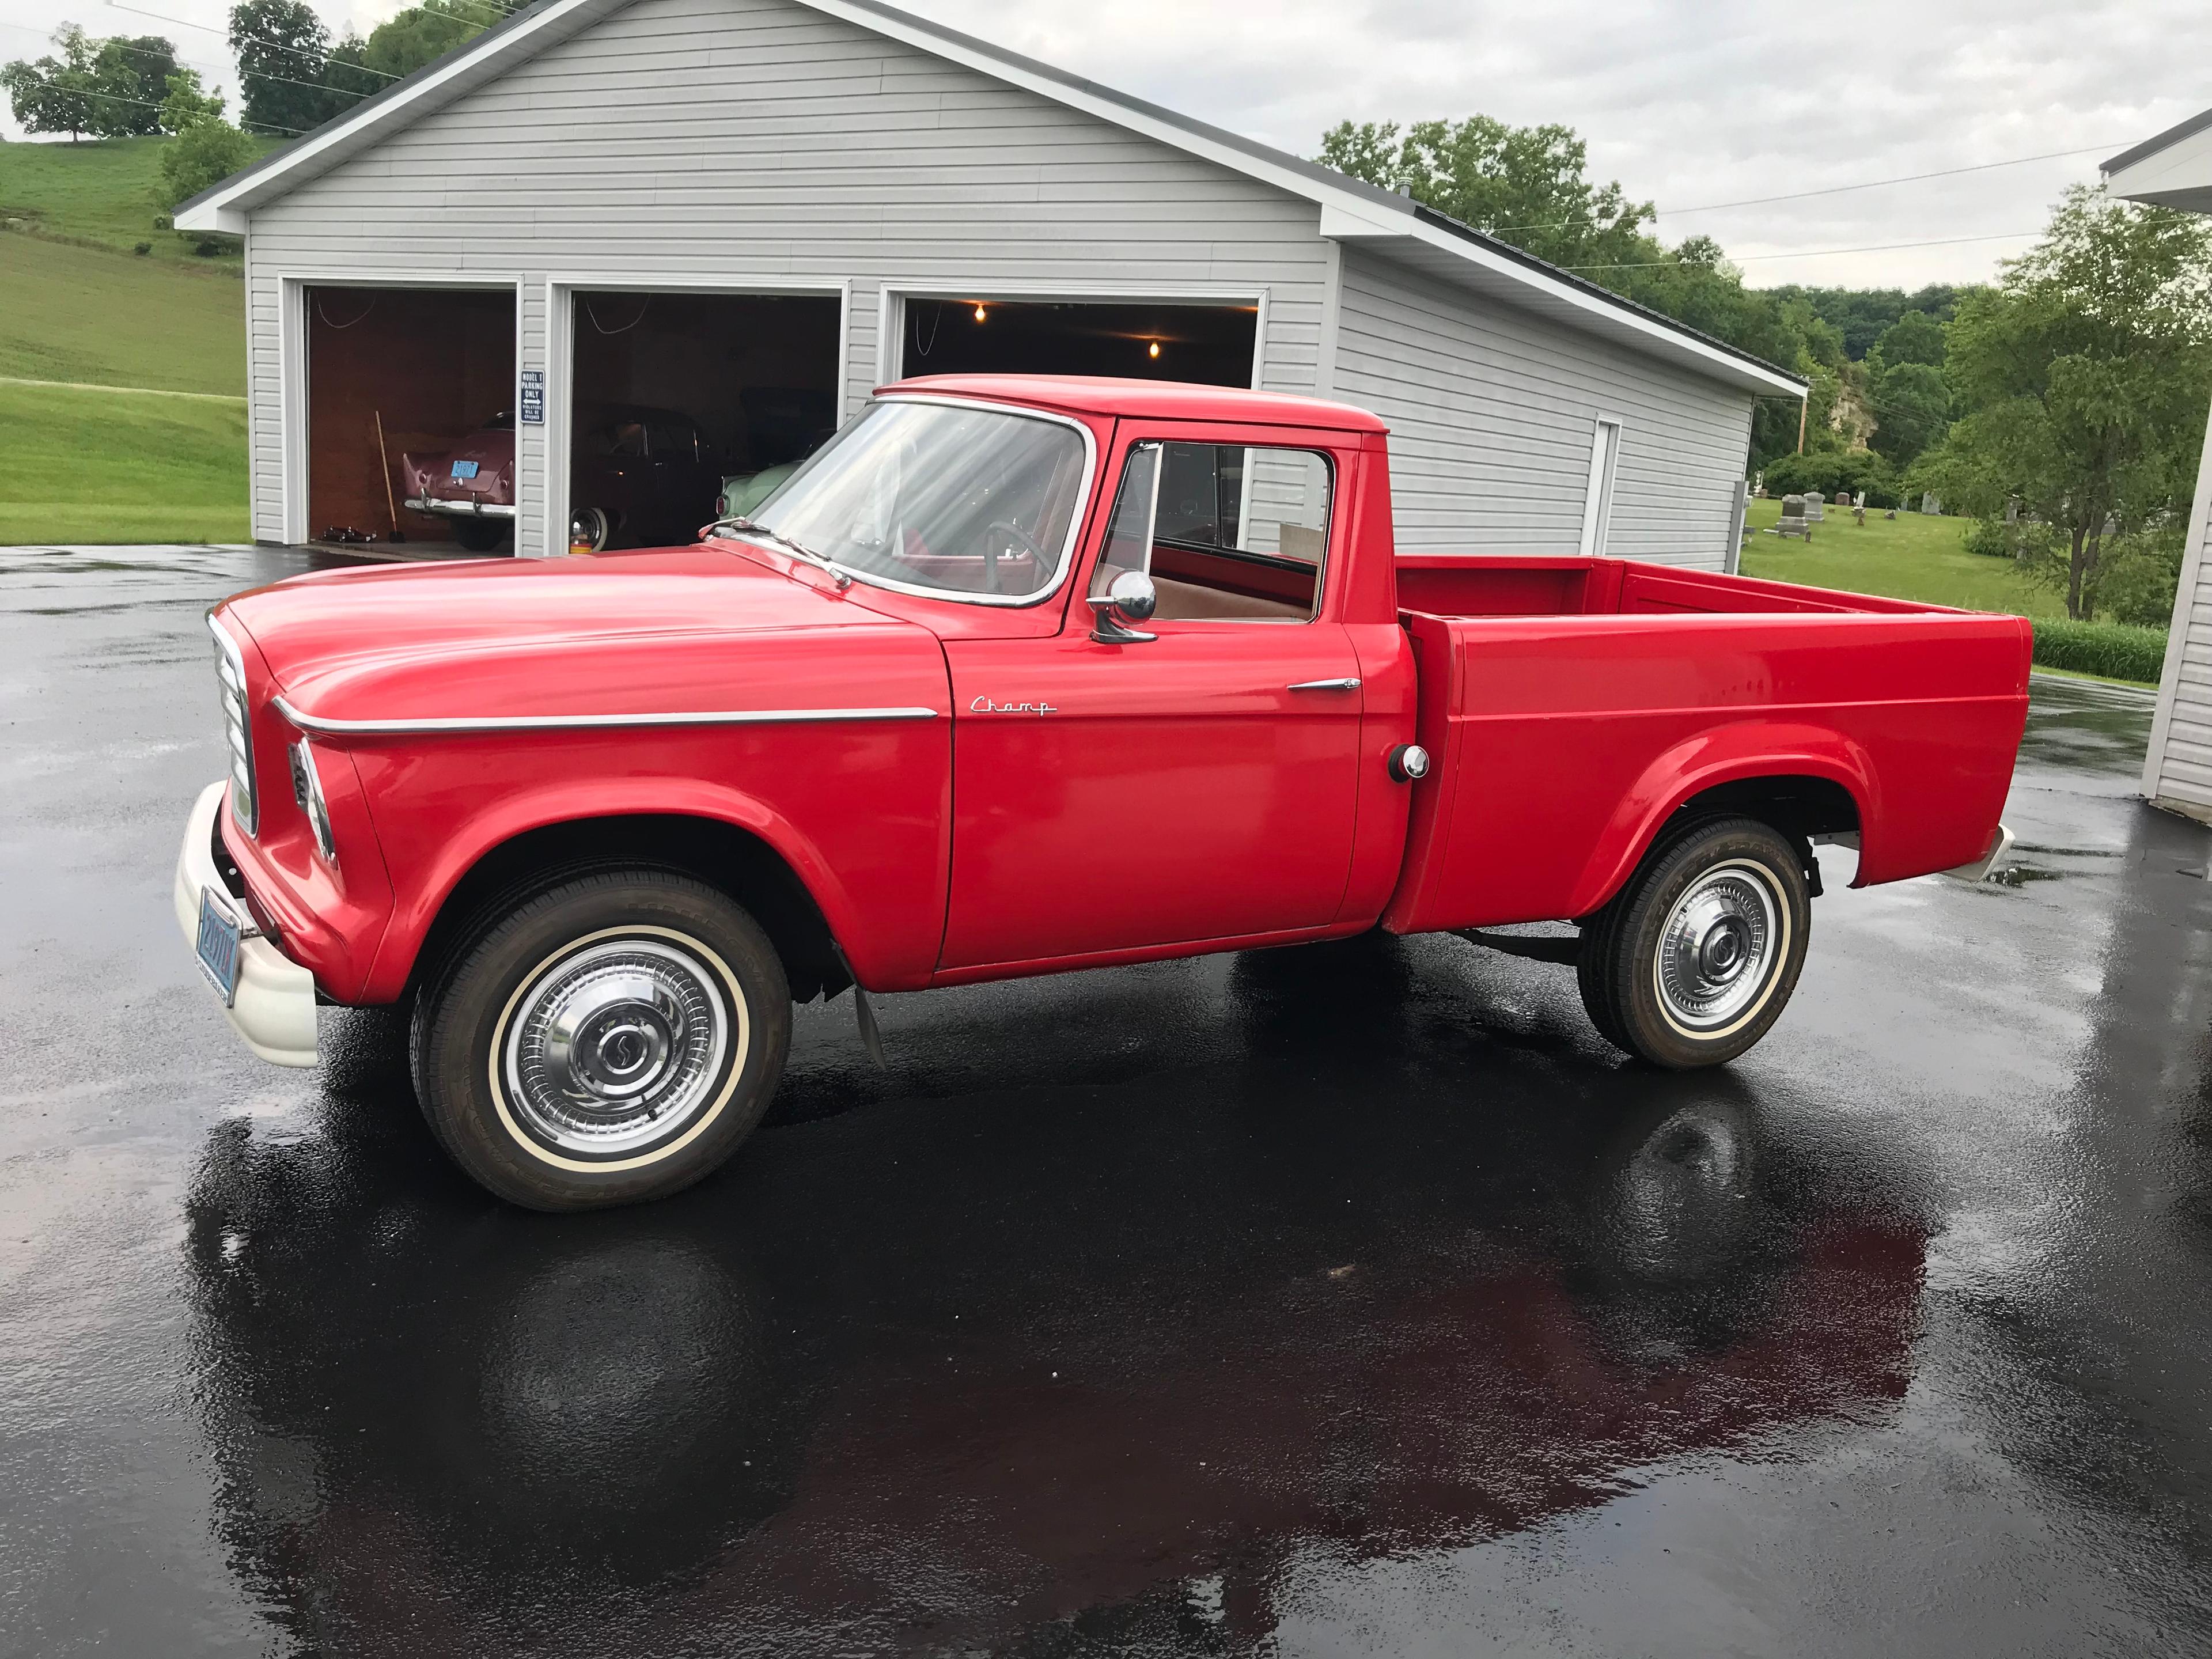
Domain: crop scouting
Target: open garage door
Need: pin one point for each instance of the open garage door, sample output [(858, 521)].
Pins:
[(411, 396), (682, 399), (1211, 344)]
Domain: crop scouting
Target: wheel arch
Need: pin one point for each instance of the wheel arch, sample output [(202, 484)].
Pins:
[(731, 858), (1804, 781)]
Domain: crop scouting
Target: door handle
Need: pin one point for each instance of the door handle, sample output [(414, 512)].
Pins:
[(1347, 685)]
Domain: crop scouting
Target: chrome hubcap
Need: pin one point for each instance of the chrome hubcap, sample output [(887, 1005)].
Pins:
[(1719, 946), (618, 1045)]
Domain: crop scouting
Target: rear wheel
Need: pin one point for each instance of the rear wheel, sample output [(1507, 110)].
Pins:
[(590, 529), (1697, 957), (612, 1039), (479, 535)]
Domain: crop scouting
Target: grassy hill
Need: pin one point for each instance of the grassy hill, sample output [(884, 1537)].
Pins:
[(113, 455), (83, 313), (106, 192)]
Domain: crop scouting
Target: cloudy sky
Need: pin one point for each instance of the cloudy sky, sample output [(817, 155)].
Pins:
[(1690, 106)]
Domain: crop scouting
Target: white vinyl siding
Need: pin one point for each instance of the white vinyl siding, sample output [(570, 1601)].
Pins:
[(2178, 769), (1490, 413), (757, 141)]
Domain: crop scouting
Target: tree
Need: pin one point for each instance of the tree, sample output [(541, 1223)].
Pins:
[(2084, 377), (1529, 186), (185, 103), (1915, 337), (132, 75), (57, 95), (422, 34), (282, 49), (1862, 314), (205, 153), (1912, 407), (1526, 184)]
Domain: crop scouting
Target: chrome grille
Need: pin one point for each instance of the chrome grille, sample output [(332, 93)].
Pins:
[(237, 727)]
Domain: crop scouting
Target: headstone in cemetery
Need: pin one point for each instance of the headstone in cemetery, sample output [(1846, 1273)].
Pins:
[(1930, 503), (1792, 522), (1858, 511), (1814, 501)]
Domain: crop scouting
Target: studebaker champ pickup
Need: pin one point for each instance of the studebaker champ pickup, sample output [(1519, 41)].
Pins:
[(1018, 675)]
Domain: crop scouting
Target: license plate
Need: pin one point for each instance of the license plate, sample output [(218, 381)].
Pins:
[(464, 468), (217, 948)]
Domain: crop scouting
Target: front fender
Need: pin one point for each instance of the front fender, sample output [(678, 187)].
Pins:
[(459, 848), (1722, 754)]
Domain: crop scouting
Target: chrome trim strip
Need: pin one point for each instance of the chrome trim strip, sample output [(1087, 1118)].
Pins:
[(453, 507), (307, 722), (1347, 685), (1002, 601), (233, 657)]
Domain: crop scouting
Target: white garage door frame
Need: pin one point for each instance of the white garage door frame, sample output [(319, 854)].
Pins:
[(890, 321), (293, 285), (561, 292)]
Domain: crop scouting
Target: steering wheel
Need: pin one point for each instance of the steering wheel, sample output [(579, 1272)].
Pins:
[(1013, 533)]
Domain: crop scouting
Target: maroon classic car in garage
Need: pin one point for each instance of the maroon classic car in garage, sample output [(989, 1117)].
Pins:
[(637, 475)]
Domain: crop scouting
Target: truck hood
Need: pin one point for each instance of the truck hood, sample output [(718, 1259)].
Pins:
[(679, 631)]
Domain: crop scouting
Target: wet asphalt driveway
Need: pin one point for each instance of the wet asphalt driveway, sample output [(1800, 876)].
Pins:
[(1349, 1300)]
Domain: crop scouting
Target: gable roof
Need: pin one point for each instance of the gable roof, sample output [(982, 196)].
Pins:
[(2172, 170), (1351, 211)]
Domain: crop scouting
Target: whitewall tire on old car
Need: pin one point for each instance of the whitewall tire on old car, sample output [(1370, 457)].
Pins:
[(613, 1039), (1697, 955)]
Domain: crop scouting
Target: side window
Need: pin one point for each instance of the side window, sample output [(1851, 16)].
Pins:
[(671, 440), (1228, 533), (1129, 532)]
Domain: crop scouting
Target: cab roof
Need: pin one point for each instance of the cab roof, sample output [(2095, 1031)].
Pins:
[(1172, 400)]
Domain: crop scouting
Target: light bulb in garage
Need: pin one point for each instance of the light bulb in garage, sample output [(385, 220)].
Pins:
[(1155, 348), (979, 313)]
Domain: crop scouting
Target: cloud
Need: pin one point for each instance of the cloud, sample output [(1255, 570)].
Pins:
[(1687, 105)]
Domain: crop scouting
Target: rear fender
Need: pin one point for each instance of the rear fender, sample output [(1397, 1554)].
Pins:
[(1726, 754), (469, 843)]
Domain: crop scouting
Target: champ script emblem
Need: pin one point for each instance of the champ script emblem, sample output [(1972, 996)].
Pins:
[(985, 705)]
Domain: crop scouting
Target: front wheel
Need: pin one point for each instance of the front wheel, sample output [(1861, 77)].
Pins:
[(613, 1040), (1697, 955)]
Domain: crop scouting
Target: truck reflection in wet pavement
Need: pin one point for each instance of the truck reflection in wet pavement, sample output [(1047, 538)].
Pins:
[(1108, 1359)]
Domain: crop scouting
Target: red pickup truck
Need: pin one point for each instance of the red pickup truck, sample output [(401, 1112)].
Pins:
[(1018, 675)]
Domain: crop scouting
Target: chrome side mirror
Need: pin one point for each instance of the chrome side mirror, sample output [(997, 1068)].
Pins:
[(1129, 597)]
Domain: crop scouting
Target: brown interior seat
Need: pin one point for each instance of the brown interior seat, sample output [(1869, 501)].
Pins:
[(1191, 602)]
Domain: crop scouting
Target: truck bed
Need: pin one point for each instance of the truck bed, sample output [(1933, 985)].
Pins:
[(1573, 704), (1483, 585)]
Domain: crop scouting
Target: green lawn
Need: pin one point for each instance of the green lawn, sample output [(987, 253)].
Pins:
[(78, 305), (1911, 556), (81, 313), (94, 465), (104, 190)]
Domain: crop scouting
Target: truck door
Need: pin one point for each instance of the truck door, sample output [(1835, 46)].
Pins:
[(1198, 785)]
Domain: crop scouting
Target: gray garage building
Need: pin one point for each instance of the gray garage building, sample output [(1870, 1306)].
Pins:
[(750, 212)]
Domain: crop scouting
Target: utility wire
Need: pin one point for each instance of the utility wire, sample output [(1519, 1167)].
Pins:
[(258, 39), (117, 97), (1800, 195), (1817, 252)]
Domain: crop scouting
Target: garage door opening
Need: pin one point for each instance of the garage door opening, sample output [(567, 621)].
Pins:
[(682, 398), (407, 390), (1210, 344)]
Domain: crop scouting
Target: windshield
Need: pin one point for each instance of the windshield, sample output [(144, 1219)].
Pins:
[(941, 497)]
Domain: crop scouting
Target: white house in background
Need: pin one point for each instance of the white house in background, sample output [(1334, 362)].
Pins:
[(2174, 170), (750, 212)]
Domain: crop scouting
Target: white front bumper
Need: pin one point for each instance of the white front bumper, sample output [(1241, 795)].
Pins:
[(275, 1009)]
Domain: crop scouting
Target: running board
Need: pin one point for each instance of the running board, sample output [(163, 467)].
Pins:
[(1568, 951)]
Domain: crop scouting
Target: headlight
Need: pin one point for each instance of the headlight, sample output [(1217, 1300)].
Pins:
[(307, 790), (237, 727)]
